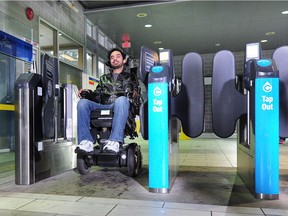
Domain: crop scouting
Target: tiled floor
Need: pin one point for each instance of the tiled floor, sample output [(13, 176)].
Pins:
[(207, 184)]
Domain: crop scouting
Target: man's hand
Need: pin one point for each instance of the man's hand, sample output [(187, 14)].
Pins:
[(135, 94), (83, 92)]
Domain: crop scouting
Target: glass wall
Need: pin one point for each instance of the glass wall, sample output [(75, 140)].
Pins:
[(68, 52), (46, 39), (10, 69), (97, 48), (7, 72), (89, 63)]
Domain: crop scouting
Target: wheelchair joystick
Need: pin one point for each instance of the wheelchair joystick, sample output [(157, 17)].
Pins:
[(128, 90)]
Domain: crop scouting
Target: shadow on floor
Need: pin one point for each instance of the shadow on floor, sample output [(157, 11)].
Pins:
[(196, 185)]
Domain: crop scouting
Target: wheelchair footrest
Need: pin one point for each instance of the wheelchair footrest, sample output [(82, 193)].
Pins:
[(124, 158), (98, 152), (82, 152), (103, 154)]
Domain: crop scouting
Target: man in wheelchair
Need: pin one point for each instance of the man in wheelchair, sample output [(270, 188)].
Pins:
[(114, 91)]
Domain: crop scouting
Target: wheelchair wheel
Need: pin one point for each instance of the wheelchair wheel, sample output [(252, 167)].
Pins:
[(134, 160), (82, 165)]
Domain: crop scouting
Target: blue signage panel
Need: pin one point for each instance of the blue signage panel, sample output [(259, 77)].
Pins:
[(267, 136), (158, 135), (15, 47)]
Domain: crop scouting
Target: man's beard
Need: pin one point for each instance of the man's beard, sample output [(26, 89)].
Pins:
[(116, 67)]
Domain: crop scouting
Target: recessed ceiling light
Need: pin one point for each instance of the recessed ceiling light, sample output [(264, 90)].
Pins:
[(148, 26), (217, 44), (269, 33), (157, 42), (141, 15), (264, 41), (285, 12)]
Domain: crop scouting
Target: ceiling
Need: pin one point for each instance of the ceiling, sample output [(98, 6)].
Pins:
[(191, 26)]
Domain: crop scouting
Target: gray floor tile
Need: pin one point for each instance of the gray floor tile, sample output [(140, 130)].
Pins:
[(152, 211), (207, 184), (69, 208), (14, 203), (279, 212)]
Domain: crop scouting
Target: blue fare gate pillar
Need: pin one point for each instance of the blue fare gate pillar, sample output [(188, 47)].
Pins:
[(267, 134), (158, 129)]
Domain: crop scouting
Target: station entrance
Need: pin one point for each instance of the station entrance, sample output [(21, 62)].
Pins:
[(231, 101)]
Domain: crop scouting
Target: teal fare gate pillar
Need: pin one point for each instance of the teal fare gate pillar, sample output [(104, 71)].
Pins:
[(158, 129), (267, 136)]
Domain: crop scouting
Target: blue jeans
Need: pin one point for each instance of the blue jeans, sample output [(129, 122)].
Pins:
[(121, 110)]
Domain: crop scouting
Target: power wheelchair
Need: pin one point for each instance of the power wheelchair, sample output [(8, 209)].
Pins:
[(129, 155)]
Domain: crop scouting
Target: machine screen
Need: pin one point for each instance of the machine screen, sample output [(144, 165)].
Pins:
[(166, 57), (253, 51)]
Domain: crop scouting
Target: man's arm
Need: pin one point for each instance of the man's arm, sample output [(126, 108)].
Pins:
[(91, 95)]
